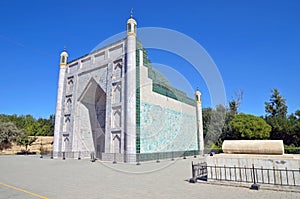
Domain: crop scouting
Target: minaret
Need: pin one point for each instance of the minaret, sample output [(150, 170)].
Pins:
[(59, 103), (199, 121), (130, 78)]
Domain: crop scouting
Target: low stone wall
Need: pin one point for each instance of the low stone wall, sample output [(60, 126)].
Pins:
[(246, 160)]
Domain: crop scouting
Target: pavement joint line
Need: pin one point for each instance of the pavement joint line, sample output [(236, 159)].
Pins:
[(22, 190)]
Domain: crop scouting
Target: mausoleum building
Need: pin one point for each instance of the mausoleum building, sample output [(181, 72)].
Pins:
[(111, 101)]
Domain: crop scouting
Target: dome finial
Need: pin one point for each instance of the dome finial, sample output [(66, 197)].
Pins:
[(65, 49), (131, 13)]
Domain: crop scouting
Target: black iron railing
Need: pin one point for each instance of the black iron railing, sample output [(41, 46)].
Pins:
[(255, 175)]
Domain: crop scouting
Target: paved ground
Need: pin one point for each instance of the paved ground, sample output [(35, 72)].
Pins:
[(31, 177)]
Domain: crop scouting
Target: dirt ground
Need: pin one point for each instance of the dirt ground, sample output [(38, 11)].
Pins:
[(42, 141)]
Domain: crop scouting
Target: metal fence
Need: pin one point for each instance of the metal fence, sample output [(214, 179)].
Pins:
[(65, 155), (121, 157), (255, 175)]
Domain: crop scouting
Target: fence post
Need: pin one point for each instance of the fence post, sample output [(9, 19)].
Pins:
[(138, 159), (79, 158), (294, 178), (240, 172), (172, 156), (254, 186), (216, 176), (287, 176), (194, 178), (125, 157), (274, 175), (280, 176), (157, 159), (64, 155), (51, 156), (193, 171), (246, 173), (93, 159), (225, 173), (262, 175), (235, 173), (115, 161)]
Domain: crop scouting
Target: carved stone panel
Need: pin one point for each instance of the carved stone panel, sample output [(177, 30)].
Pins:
[(116, 93), (116, 143), (116, 118), (70, 84), (117, 70)]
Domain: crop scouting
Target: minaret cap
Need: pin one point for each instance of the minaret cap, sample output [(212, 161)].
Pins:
[(131, 25), (198, 96), (197, 91), (63, 57), (64, 53)]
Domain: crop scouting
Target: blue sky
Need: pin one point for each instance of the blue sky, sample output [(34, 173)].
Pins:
[(255, 45)]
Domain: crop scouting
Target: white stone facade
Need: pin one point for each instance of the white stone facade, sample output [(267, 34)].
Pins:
[(90, 110), (102, 106)]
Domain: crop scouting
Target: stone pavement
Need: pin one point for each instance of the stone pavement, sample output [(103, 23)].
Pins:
[(31, 177)]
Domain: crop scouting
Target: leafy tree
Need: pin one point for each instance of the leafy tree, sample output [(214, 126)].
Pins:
[(216, 125), (213, 124), (227, 132), (19, 121), (8, 133), (41, 127), (292, 128), (297, 114), (24, 140), (276, 110), (236, 102), (206, 114), (276, 107), (30, 125), (246, 126), (45, 126)]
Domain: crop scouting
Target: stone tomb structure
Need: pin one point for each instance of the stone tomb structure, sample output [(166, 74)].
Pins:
[(265, 147), (112, 101)]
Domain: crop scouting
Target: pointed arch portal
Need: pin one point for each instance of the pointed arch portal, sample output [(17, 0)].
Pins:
[(94, 99)]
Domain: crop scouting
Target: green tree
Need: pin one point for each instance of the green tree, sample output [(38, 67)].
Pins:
[(227, 132), (236, 102), (45, 126), (30, 125), (206, 114), (24, 140), (293, 130), (8, 133), (276, 107), (213, 123), (297, 114), (276, 110), (246, 126), (19, 121), (42, 127)]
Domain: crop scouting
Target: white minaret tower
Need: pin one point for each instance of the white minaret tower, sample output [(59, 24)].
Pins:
[(199, 121), (59, 103), (130, 78)]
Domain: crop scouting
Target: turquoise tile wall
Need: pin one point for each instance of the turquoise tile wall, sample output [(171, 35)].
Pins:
[(163, 129)]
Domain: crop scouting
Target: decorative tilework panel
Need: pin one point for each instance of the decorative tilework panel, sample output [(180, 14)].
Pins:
[(163, 129)]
